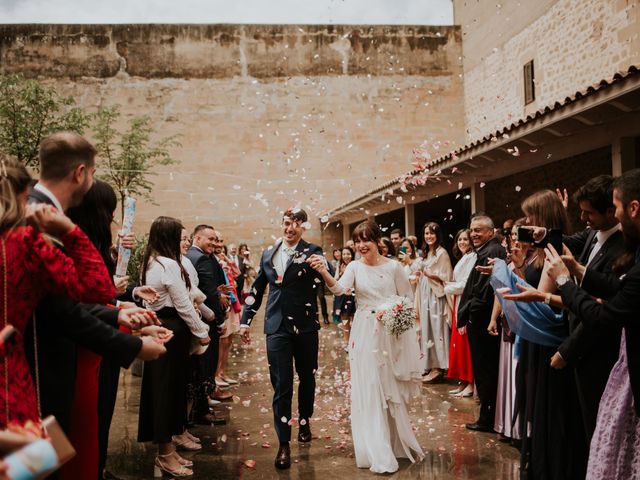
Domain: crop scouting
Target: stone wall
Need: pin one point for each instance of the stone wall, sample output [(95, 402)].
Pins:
[(269, 116), (573, 43)]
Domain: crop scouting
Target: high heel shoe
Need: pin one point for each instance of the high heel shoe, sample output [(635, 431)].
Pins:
[(182, 461), (191, 437), (183, 443), (159, 469)]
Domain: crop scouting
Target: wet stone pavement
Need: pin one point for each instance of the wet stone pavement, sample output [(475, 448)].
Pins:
[(452, 452)]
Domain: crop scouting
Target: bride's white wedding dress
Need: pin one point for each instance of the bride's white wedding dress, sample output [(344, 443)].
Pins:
[(385, 370)]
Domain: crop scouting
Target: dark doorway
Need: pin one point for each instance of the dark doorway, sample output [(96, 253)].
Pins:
[(451, 212)]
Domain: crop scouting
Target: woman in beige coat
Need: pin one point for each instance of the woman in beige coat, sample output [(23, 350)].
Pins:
[(433, 305)]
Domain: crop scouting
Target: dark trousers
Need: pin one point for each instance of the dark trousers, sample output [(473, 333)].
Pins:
[(485, 357), (283, 348), (203, 380)]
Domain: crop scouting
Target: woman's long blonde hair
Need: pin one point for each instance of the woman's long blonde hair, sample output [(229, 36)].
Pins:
[(14, 179)]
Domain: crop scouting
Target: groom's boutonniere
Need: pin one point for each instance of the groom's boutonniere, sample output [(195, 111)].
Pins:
[(299, 257)]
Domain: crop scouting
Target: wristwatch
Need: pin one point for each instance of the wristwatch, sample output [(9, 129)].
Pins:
[(561, 281)]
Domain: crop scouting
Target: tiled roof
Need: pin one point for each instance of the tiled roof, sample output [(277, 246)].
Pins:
[(580, 94)]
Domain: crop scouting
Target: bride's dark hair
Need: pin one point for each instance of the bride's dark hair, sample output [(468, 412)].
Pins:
[(367, 231)]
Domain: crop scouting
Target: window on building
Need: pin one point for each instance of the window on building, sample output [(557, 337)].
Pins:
[(529, 83)]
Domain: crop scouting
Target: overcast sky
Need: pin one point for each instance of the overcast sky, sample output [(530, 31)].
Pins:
[(412, 12)]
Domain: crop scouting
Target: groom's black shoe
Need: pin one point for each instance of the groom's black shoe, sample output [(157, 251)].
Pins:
[(479, 427), (283, 459), (304, 435)]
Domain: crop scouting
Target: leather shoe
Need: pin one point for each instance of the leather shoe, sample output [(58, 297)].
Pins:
[(304, 434), (283, 459), (209, 419), (479, 427)]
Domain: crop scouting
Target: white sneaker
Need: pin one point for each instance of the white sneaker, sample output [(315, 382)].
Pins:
[(230, 381), (212, 402)]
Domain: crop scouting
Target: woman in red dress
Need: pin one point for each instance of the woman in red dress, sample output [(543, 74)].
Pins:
[(31, 268), (459, 354)]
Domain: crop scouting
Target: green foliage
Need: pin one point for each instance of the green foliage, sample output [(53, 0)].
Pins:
[(29, 112), (128, 158), (135, 262)]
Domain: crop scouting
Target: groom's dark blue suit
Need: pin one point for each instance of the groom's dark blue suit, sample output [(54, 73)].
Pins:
[(291, 324)]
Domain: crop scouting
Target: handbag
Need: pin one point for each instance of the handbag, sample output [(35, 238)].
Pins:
[(53, 432)]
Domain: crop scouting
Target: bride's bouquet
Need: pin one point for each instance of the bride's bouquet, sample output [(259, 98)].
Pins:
[(397, 315)]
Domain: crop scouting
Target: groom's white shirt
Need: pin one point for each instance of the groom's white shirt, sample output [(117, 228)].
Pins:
[(280, 259)]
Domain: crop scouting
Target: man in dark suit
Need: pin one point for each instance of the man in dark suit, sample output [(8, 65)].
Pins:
[(67, 165), (291, 324), (211, 282), (591, 353), (474, 315), (621, 297)]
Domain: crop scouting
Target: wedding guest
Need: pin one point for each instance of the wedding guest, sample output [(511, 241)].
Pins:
[(414, 240), (249, 270), (432, 304), (603, 244), (396, 236), (387, 248), (474, 315), (32, 267), (89, 422), (232, 318), (335, 261), (408, 258), (235, 258), (67, 165), (187, 441), (212, 284), (163, 396), (345, 305), (460, 366), (614, 452), (603, 301), (550, 410), (521, 256)]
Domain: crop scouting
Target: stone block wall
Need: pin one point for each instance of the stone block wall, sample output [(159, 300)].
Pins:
[(269, 116), (573, 43)]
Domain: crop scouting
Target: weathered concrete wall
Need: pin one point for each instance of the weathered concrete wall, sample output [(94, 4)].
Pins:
[(270, 116), (573, 43)]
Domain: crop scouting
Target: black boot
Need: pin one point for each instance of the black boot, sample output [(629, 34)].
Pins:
[(283, 458)]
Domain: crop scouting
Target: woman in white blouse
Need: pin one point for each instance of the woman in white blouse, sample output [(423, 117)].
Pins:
[(163, 398), (459, 354)]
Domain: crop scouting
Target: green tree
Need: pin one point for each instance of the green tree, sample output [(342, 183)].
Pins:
[(129, 158), (29, 112)]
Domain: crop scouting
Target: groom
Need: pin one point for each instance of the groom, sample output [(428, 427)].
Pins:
[(291, 324)]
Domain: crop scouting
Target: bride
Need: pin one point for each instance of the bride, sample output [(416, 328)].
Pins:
[(384, 369)]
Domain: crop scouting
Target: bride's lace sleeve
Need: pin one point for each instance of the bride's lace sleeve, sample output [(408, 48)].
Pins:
[(403, 287), (347, 280)]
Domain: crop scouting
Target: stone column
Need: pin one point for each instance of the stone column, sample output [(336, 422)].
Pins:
[(623, 155), (477, 199), (346, 235), (409, 219)]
